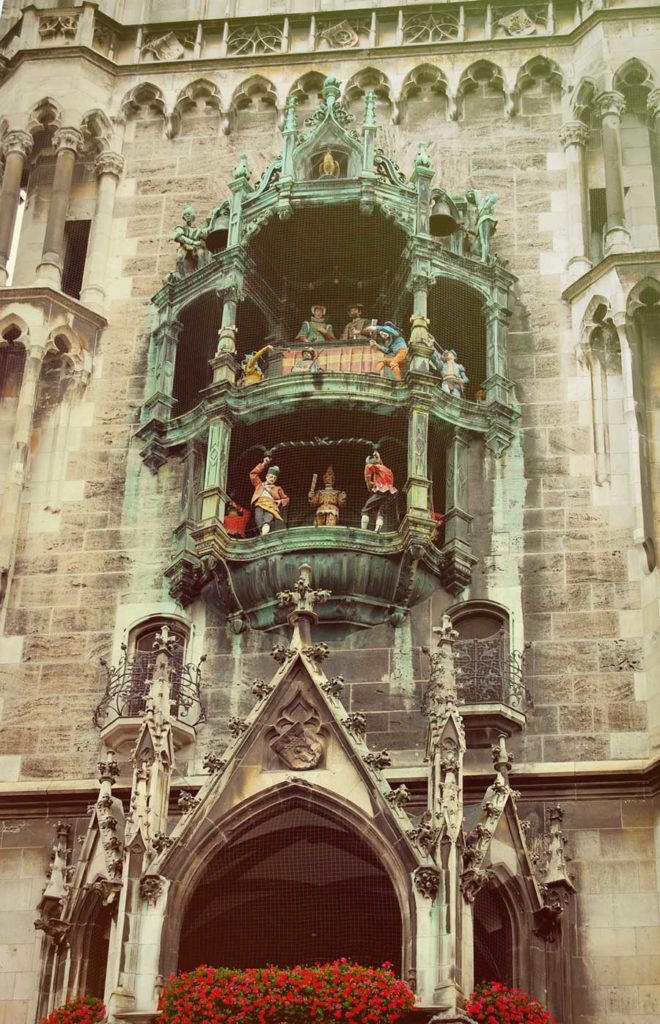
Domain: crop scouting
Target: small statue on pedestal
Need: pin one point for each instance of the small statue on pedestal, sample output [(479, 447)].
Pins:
[(486, 222), (382, 492), (355, 328), (307, 362), (268, 497), (327, 501), (253, 371), (316, 330), (192, 251), (390, 342), (452, 373)]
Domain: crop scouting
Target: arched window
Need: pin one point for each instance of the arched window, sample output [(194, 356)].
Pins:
[(493, 938), (12, 362)]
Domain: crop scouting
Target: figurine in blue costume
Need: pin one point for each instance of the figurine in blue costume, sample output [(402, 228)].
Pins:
[(393, 348)]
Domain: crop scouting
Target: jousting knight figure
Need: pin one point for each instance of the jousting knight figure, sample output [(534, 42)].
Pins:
[(382, 492), (268, 497)]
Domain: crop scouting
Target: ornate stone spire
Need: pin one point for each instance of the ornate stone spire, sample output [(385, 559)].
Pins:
[(302, 598)]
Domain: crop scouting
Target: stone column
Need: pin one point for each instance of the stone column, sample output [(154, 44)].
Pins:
[(497, 382), (609, 107), (459, 560), (164, 341), (67, 142), (214, 495), (108, 167), (11, 499), (574, 136), (653, 107), (418, 483), (17, 146)]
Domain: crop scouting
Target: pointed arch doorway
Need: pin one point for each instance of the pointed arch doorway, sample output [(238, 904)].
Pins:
[(298, 886)]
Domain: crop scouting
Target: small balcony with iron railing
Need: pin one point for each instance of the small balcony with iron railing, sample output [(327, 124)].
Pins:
[(143, 682), (490, 681)]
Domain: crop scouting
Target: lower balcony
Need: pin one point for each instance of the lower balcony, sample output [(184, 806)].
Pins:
[(373, 577)]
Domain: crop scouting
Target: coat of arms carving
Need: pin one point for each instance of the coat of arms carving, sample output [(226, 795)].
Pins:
[(298, 742)]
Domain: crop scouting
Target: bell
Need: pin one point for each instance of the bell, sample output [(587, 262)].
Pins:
[(442, 221)]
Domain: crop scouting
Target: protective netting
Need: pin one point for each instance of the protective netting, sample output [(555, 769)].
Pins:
[(295, 888)]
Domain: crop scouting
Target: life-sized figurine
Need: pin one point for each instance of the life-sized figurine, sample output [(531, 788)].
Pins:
[(327, 501), (486, 222), (452, 373), (268, 497), (316, 330), (253, 371), (382, 492), (329, 167), (307, 362), (391, 344), (354, 329), (192, 251)]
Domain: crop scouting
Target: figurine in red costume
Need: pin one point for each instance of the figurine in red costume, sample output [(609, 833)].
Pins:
[(382, 492), (268, 497)]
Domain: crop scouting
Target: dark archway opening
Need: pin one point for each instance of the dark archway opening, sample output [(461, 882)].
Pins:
[(336, 256), (298, 887), (493, 939), (198, 339), (457, 321)]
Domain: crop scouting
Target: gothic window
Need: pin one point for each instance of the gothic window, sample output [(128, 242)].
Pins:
[(76, 237), (493, 938), (539, 88), (644, 335), (12, 362)]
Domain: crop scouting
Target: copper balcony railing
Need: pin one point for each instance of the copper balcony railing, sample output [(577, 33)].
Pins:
[(489, 673), (128, 684)]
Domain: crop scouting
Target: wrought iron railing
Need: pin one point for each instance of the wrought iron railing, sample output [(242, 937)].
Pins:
[(489, 673), (128, 684)]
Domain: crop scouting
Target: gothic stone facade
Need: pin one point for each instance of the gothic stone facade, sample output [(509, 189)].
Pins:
[(114, 116)]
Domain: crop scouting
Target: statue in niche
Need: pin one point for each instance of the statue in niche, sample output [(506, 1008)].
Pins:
[(268, 497), (316, 330), (253, 371), (329, 167), (326, 502), (453, 377), (485, 222), (307, 362), (393, 348), (192, 250), (355, 328), (382, 492)]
